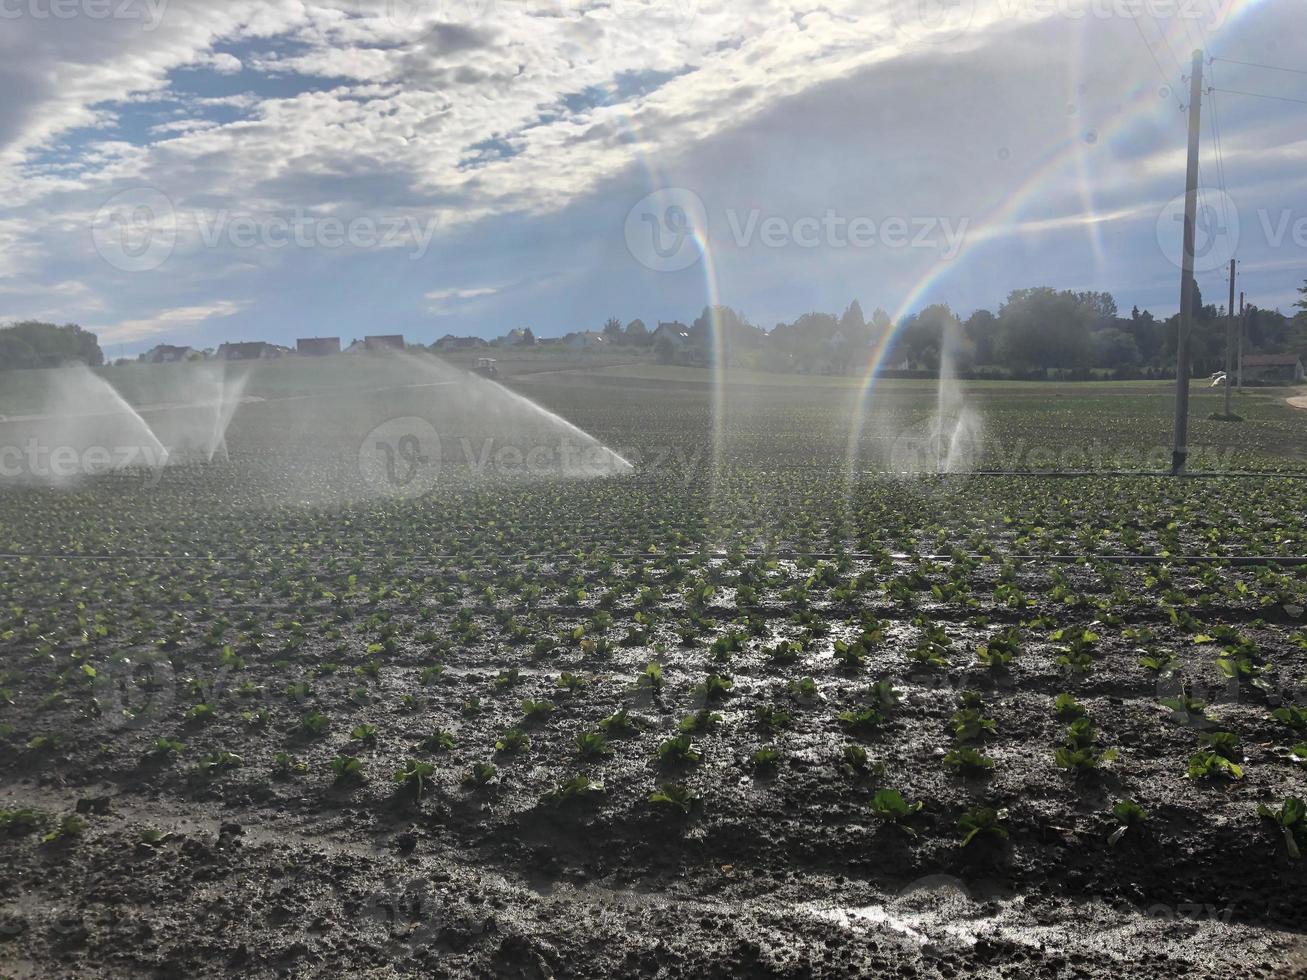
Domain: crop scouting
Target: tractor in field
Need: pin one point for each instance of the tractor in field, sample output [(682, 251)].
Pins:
[(487, 368)]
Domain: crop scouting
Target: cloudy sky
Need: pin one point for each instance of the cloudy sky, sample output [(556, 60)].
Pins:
[(192, 172)]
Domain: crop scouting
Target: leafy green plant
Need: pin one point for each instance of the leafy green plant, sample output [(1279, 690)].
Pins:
[(21, 822), (971, 725), (890, 806), (1067, 708), (1000, 650), (652, 678), (314, 724), (592, 745), (512, 742), (1127, 813), (69, 827), (440, 740), (674, 797), (537, 711), (213, 763), (679, 750), (700, 721), (1292, 715), (347, 769), (414, 777), (1291, 818), (982, 820), (286, 764), (715, 687), (618, 724), (364, 733), (481, 774), (1210, 765), (579, 787), (765, 758), (966, 761)]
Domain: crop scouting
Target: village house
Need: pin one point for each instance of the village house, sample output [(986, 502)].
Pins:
[(1272, 369), (317, 346), (168, 354)]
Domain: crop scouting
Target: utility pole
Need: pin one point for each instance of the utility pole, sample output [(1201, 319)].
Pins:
[(1243, 329), (1180, 448), (1229, 341)]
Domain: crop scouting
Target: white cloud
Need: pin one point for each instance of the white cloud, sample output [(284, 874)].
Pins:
[(166, 322)]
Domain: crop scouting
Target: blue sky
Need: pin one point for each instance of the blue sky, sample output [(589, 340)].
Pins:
[(191, 173)]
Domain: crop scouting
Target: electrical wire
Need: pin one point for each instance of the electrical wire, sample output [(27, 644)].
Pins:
[(1254, 64), (1261, 95)]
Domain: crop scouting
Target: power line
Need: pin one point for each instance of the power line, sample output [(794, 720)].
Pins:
[(1254, 64), (1214, 125), (1151, 53), (1167, 44), (1260, 95)]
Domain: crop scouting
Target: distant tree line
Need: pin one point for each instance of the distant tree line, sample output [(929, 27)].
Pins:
[(39, 345), (1037, 332)]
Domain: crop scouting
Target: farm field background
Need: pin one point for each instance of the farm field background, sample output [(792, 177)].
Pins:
[(276, 722)]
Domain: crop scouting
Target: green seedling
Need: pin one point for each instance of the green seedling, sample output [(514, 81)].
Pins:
[(1225, 744), (592, 745), (438, 741), (512, 742), (347, 769), (567, 681), (314, 724), (890, 806), (617, 724), (1210, 765), (163, 746), (680, 750), (863, 721), (999, 652), (970, 725), (772, 719), (967, 761), (674, 797), (216, 762), (537, 711), (1293, 716), (1128, 814), (715, 687), (20, 823), (1291, 818), (701, 721), (1159, 661), (70, 827), (652, 678), (1067, 708), (766, 758), (414, 777), (577, 788), (481, 774), (982, 820), (365, 734), (286, 764)]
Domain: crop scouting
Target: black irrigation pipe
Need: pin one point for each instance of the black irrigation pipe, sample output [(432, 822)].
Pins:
[(1199, 475), (1240, 561)]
